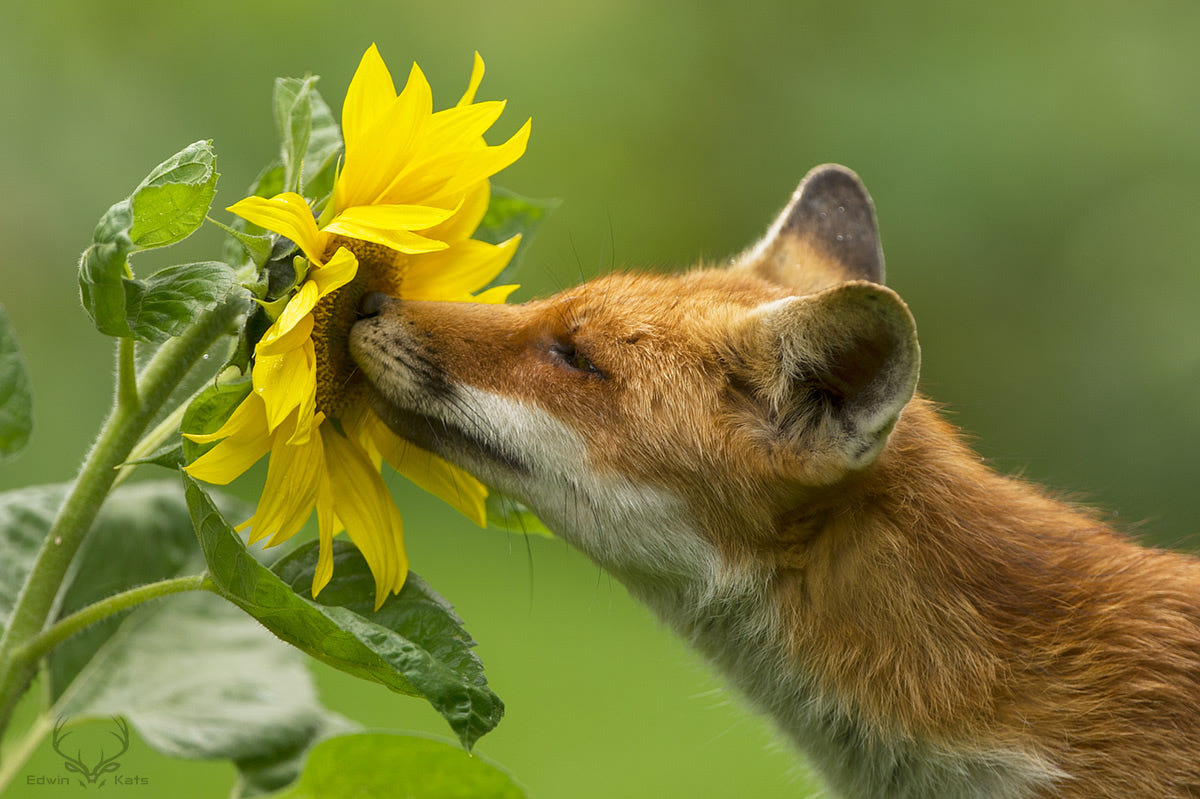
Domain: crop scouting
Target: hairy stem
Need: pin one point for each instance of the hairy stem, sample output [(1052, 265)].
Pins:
[(137, 403), (52, 636)]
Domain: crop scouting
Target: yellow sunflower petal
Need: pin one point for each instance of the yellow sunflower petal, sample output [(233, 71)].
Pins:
[(473, 85), (383, 149), (371, 91), (340, 270), (290, 491), (244, 440), (466, 219), (294, 325), (327, 527), (457, 272), (444, 177), (398, 217), (433, 474), (364, 506), (463, 127), (496, 294), (288, 215), (401, 240), (287, 382)]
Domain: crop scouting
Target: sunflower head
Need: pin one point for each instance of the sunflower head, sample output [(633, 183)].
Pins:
[(412, 189)]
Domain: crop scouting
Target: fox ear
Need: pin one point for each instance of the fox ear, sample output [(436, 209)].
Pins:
[(826, 235), (832, 371)]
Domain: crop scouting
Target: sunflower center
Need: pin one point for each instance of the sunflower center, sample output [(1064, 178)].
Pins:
[(379, 269)]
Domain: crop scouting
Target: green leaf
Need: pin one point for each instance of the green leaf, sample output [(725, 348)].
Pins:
[(169, 456), (508, 215), (508, 514), (103, 268), (16, 398), (172, 298), (142, 535), (414, 645), (193, 674), (25, 517), (165, 208), (199, 679), (385, 766), (208, 411), (324, 148), (292, 101), (171, 203)]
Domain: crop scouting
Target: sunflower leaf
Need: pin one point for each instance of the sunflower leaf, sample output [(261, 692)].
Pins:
[(324, 147), (16, 399), (154, 664), (166, 303), (414, 644), (385, 765), (292, 101), (103, 268), (208, 411), (171, 203), (165, 208)]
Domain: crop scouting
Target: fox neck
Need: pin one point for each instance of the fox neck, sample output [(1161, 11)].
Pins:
[(861, 659)]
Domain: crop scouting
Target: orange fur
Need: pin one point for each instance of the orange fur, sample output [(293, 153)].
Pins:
[(742, 447)]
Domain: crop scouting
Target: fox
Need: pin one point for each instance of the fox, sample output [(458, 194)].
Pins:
[(744, 447)]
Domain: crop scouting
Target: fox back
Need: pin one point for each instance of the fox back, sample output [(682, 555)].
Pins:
[(744, 449)]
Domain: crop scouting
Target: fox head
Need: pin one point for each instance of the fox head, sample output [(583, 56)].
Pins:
[(666, 423)]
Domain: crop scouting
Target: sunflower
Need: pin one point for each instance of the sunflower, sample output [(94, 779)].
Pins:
[(411, 191)]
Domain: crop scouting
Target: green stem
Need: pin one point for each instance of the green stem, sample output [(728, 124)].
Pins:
[(127, 387), (52, 636), (138, 403)]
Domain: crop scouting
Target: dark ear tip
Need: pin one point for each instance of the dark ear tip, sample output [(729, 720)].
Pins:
[(833, 209), (833, 179)]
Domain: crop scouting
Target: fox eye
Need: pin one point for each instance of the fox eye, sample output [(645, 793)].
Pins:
[(572, 357)]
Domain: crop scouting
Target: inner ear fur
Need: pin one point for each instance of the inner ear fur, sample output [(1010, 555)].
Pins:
[(833, 370), (826, 235)]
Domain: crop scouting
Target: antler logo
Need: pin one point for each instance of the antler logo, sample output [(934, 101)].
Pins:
[(104, 765)]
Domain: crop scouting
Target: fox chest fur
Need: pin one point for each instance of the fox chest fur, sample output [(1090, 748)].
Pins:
[(744, 449)]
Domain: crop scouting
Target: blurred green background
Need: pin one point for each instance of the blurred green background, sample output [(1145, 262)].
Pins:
[(1035, 169)]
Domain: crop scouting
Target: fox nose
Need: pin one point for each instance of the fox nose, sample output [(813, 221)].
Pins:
[(372, 304)]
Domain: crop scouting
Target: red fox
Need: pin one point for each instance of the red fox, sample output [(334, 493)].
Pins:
[(744, 449)]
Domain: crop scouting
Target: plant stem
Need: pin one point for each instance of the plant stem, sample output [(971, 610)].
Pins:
[(137, 404), (52, 636)]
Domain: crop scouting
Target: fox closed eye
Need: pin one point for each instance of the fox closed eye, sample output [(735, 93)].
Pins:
[(569, 355)]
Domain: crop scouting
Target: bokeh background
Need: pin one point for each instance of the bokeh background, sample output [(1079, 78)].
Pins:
[(1034, 165)]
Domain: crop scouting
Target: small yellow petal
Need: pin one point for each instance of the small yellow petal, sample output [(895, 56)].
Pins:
[(371, 90), (287, 382), (383, 149), (340, 270), (290, 491), (470, 213), (288, 215), (365, 507), (473, 85), (457, 272), (294, 325), (244, 440), (433, 474), (404, 241), (496, 294), (398, 217), (327, 527)]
